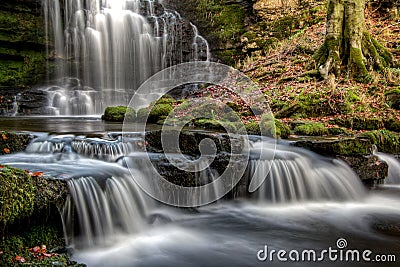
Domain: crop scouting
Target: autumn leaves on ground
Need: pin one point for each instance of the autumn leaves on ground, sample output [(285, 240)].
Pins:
[(296, 93), (287, 72)]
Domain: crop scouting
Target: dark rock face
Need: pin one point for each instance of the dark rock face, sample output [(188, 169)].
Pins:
[(31, 102), (370, 169), (22, 44)]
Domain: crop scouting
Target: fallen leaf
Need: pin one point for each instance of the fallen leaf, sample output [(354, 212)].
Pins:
[(4, 137), (37, 174), (6, 150), (43, 249), (19, 259), (35, 249)]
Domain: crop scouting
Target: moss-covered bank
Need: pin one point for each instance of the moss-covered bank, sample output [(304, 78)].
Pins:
[(29, 217), (22, 43)]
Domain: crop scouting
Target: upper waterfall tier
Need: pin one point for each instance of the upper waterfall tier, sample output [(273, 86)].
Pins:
[(104, 50)]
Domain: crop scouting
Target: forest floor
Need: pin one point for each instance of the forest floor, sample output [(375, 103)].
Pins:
[(295, 92)]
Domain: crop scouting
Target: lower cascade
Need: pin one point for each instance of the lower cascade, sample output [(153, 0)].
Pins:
[(297, 194), (296, 175)]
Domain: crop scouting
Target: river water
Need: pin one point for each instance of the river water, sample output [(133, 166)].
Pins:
[(307, 203)]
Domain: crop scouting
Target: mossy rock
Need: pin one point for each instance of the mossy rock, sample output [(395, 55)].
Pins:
[(159, 112), (17, 194), (393, 98), (392, 124), (360, 123), (117, 114), (165, 99), (13, 142), (311, 129), (209, 124), (342, 147), (272, 128), (386, 141), (32, 236), (337, 131)]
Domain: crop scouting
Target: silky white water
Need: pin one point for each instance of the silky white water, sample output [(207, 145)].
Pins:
[(104, 50)]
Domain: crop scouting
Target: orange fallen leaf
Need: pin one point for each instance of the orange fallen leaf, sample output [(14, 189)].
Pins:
[(4, 137), (43, 248), (35, 249), (19, 259), (6, 150), (36, 174)]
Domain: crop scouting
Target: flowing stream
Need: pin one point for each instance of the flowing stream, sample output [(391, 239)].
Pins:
[(305, 202)]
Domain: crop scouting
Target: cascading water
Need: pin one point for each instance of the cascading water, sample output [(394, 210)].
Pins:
[(394, 168), (104, 50), (297, 175), (110, 222)]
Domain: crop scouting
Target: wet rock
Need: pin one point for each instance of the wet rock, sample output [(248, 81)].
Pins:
[(370, 169), (342, 147), (189, 142), (32, 102)]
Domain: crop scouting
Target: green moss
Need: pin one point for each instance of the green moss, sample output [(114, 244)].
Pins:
[(386, 141), (159, 112), (282, 129), (209, 124), (141, 115), (342, 147), (19, 244), (360, 123), (311, 129), (16, 195), (22, 47), (357, 67), (117, 114), (12, 142), (165, 99), (336, 131), (272, 128), (392, 124)]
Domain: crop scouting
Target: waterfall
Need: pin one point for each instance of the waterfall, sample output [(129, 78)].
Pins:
[(394, 168), (104, 50), (102, 209), (295, 175)]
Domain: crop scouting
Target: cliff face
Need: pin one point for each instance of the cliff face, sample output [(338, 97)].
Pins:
[(22, 48), (22, 42)]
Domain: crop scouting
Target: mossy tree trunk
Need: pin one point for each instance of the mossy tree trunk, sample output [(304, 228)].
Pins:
[(348, 43)]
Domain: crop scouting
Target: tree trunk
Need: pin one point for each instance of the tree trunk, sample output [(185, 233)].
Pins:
[(348, 43)]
